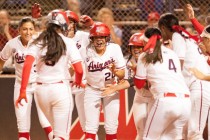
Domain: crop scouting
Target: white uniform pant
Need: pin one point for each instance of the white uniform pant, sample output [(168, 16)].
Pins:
[(200, 98), (55, 102), (79, 101), (167, 117), (23, 113), (142, 104), (92, 104)]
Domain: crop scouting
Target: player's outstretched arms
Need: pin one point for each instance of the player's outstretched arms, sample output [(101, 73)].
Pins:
[(198, 74)]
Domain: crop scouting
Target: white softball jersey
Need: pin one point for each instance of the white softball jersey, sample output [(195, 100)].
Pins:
[(82, 41), (44, 71), (15, 48), (97, 73), (164, 76), (189, 51)]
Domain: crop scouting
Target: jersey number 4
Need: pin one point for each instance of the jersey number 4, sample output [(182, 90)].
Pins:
[(171, 65)]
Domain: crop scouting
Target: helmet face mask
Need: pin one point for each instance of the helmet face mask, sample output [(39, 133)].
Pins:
[(59, 18)]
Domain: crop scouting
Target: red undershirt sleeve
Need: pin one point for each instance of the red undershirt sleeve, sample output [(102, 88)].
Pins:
[(26, 72), (78, 72), (139, 83), (198, 27)]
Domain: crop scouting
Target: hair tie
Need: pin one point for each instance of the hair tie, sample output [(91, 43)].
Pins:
[(150, 46)]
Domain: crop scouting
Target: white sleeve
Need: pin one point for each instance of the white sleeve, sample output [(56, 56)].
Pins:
[(179, 45), (120, 63), (7, 51), (73, 52), (141, 69)]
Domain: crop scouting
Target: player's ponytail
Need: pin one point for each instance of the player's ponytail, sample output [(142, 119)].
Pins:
[(154, 55), (54, 43)]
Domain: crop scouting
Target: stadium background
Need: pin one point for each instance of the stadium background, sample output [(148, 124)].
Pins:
[(129, 15)]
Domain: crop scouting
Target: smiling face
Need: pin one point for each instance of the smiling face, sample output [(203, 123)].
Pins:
[(71, 29), (26, 31), (136, 51), (99, 43)]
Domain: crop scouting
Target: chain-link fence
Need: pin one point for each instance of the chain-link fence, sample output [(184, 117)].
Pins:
[(129, 15)]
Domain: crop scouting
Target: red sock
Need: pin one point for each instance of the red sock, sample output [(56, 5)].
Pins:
[(47, 131), (90, 136), (24, 135), (111, 136)]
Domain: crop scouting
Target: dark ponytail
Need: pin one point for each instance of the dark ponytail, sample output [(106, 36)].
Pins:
[(156, 55), (54, 43)]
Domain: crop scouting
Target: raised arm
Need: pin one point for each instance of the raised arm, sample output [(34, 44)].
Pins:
[(190, 14)]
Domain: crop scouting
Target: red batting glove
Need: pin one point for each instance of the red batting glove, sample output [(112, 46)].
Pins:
[(36, 10), (21, 96), (86, 20)]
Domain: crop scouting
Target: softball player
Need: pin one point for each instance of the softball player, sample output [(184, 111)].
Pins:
[(53, 52), (18, 48), (100, 55), (190, 56), (171, 109), (82, 41), (143, 99)]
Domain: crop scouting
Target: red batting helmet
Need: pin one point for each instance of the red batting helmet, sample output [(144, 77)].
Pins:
[(135, 40), (59, 18), (72, 15), (99, 29), (153, 15)]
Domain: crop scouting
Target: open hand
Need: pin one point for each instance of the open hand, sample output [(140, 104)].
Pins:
[(36, 10), (190, 11)]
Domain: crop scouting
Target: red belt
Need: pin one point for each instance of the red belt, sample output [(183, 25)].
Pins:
[(39, 83), (174, 95)]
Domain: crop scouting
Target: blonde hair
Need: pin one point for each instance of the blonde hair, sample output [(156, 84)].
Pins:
[(103, 11)]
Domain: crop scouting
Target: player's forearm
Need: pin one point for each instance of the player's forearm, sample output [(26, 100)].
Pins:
[(26, 72), (206, 78), (8, 35), (120, 74), (78, 72), (198, 27), (122, 85)]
